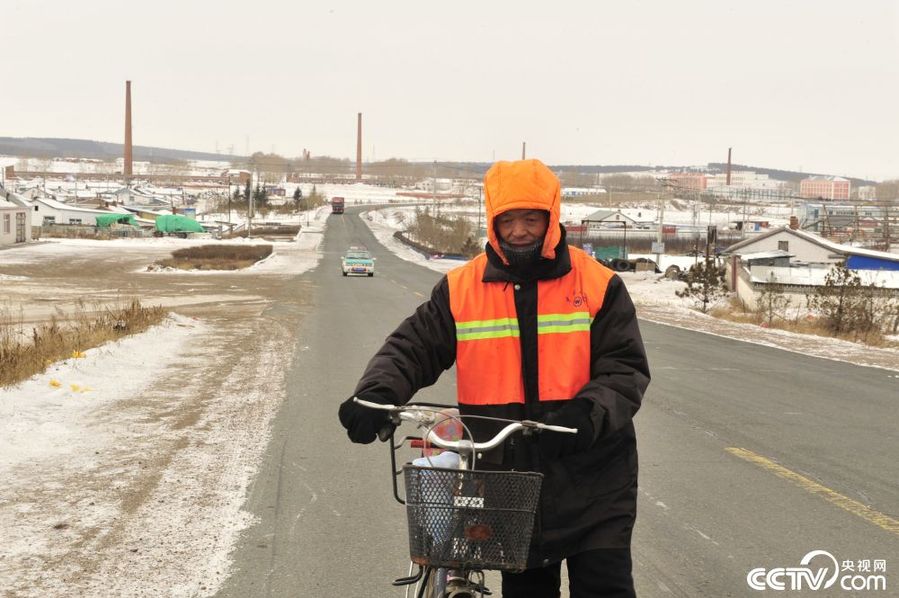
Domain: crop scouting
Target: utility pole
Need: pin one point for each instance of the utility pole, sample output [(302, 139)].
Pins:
[(660, 246), (479, 213), (885, 212), (743, 226), (434, 194), (251, 204)]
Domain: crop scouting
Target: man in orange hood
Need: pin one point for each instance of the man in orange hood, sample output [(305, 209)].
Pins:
[(537, 330)]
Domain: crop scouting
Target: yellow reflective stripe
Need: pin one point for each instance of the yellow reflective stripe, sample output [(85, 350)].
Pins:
[(575, 315), (484, 329), (562, 323), (477, 336), (485, 323)]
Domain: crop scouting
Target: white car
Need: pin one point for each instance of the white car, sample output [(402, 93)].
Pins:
[(357, 261)]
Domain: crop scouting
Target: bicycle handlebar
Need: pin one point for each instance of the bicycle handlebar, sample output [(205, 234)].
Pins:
[(428, 417)]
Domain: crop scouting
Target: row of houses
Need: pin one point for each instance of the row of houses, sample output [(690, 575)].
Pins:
[(19, 215)]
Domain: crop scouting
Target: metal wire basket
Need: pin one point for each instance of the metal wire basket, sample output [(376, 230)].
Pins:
[(470, 519)]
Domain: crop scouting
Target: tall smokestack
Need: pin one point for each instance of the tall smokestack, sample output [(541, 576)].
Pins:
[(728, 166), (359, 146), (128, 155), (523, 144)]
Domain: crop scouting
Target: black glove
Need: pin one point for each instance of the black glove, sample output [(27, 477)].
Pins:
[(573, 414), (362, 423)]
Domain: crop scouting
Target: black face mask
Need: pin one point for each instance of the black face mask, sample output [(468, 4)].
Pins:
[(521, 258)]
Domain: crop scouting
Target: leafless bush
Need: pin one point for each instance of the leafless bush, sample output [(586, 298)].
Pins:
[(216, 257), (850, 309), (443, 234), (773, 304)]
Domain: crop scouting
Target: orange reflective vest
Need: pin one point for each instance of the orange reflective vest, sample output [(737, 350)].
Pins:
[(488, 348)]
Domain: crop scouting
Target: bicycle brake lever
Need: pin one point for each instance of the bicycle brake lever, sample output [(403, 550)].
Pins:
[(386, 433)]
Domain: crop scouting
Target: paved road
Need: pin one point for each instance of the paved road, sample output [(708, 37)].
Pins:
[(750, 456)]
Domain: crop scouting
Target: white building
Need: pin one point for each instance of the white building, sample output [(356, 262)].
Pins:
[(613, 220), (15, 222), (744, 179), (867, 192), (45, 211)]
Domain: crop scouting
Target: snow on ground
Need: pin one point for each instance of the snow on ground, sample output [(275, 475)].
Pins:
[(44, 417), (288, 258), (132, 463), (116, 474)]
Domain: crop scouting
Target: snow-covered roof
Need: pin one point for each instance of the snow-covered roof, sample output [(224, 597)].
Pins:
[(822, 177), (601, 215), (58, 205), (816, 239), (146, 210), (8, 205)]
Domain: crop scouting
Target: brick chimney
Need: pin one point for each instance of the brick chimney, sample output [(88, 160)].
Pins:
[(794, 222)]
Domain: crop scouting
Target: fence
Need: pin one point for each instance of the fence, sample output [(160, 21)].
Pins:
[(83, 231), (641, 241)]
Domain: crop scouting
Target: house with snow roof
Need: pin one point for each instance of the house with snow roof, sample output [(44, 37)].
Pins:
[(46, 210), (613, 220), (798, 260)]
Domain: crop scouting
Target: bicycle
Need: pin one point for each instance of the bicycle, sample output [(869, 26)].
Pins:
[(462, 521)]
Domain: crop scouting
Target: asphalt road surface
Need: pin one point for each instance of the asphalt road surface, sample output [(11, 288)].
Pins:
[(750, 456)]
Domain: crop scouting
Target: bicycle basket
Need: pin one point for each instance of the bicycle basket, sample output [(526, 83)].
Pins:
[(470, 519)]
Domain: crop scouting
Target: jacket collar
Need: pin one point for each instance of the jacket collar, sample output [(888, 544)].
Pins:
[(546, 269)]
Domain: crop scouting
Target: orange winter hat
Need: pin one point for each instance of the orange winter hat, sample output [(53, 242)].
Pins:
[(523, 185)]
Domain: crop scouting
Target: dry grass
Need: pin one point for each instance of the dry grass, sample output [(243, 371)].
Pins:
[(807, 324), (217, 257), (65, 335)]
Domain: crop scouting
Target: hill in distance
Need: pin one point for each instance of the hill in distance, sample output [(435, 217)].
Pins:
[(48, 147)]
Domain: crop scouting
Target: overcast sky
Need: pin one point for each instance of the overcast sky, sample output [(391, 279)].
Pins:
[(805, 84)]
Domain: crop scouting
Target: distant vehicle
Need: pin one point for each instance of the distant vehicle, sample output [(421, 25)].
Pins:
[(337, 205), (357, 260), (639, 264)]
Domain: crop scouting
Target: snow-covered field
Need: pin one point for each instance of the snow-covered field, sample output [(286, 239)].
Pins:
[(76, 441)]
